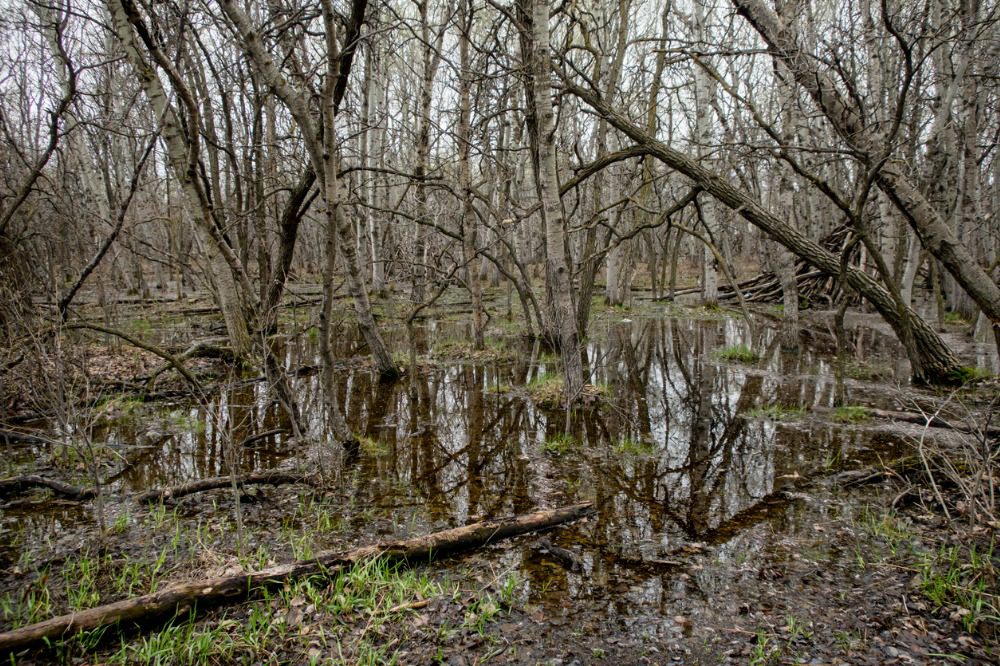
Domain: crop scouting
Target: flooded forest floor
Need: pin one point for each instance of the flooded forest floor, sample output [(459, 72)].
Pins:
[(753, 504)]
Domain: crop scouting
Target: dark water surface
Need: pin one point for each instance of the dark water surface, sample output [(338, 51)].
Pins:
[(680, 455)]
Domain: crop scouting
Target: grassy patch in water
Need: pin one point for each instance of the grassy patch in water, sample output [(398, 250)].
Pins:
[(775, 413), (560, 444), (633, 447), (851, 414), (737, 353), (695, 312), (546, 389), (864, 371), (969, 374), (956, 319)]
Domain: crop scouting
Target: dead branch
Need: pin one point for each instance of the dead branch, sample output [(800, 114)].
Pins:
[(19, 484), (926, 420), (166, 356), (252, 439), (267, 477), (178, 598)]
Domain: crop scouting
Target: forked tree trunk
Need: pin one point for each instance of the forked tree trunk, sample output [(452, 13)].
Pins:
[(231, 284), (297, 103)]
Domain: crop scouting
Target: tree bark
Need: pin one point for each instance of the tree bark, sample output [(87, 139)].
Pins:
[(19, 484)]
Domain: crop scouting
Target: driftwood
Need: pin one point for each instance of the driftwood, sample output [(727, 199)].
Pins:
[(566, 557), (19, 484), (9, 436), (178, 598), (252, 439), (931, 421), (813, 285), (209, 348), (267, 477), (927, 420)]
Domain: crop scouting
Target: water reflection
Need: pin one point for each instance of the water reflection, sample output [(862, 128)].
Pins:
[(672, 455)]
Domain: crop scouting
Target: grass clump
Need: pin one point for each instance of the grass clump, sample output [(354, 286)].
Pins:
[(964, 581), (868, 372), (559, 444), (775, 412), (183, 643), (737, 353), (969, 374), (955, 319), (546, 389), (851, 414), (372, 446), (633, 447)]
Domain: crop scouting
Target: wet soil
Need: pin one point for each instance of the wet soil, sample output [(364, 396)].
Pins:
[(721, 534)]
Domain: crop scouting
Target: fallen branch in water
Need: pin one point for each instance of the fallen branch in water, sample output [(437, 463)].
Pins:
[(19, 484), (267, 477), (927, 420), (252, 439), (8, 436), (177, 599)]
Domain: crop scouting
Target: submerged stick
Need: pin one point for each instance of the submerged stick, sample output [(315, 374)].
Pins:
[(267, 477), (180, 597), (19, 484), (926, 420)]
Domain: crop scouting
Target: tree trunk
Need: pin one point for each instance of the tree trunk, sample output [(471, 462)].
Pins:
[(704, 130), (232, 286), (297, 103), (469, 222), (558, 285)]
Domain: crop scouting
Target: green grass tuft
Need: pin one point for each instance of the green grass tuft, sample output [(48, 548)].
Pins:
[(851, 414), (738, 353), (633, 447), (775, 413), (560, 444)]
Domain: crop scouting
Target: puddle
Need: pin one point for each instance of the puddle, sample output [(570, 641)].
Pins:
[(679, 457)]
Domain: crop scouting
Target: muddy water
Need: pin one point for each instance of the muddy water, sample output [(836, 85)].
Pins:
[(676, 455)]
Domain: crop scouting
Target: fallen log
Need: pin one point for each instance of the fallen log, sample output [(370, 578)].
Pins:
[(252, 439), (931, 421), (179, 598), (267, 477), (11, 436), (19, 484), (926, 420)]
